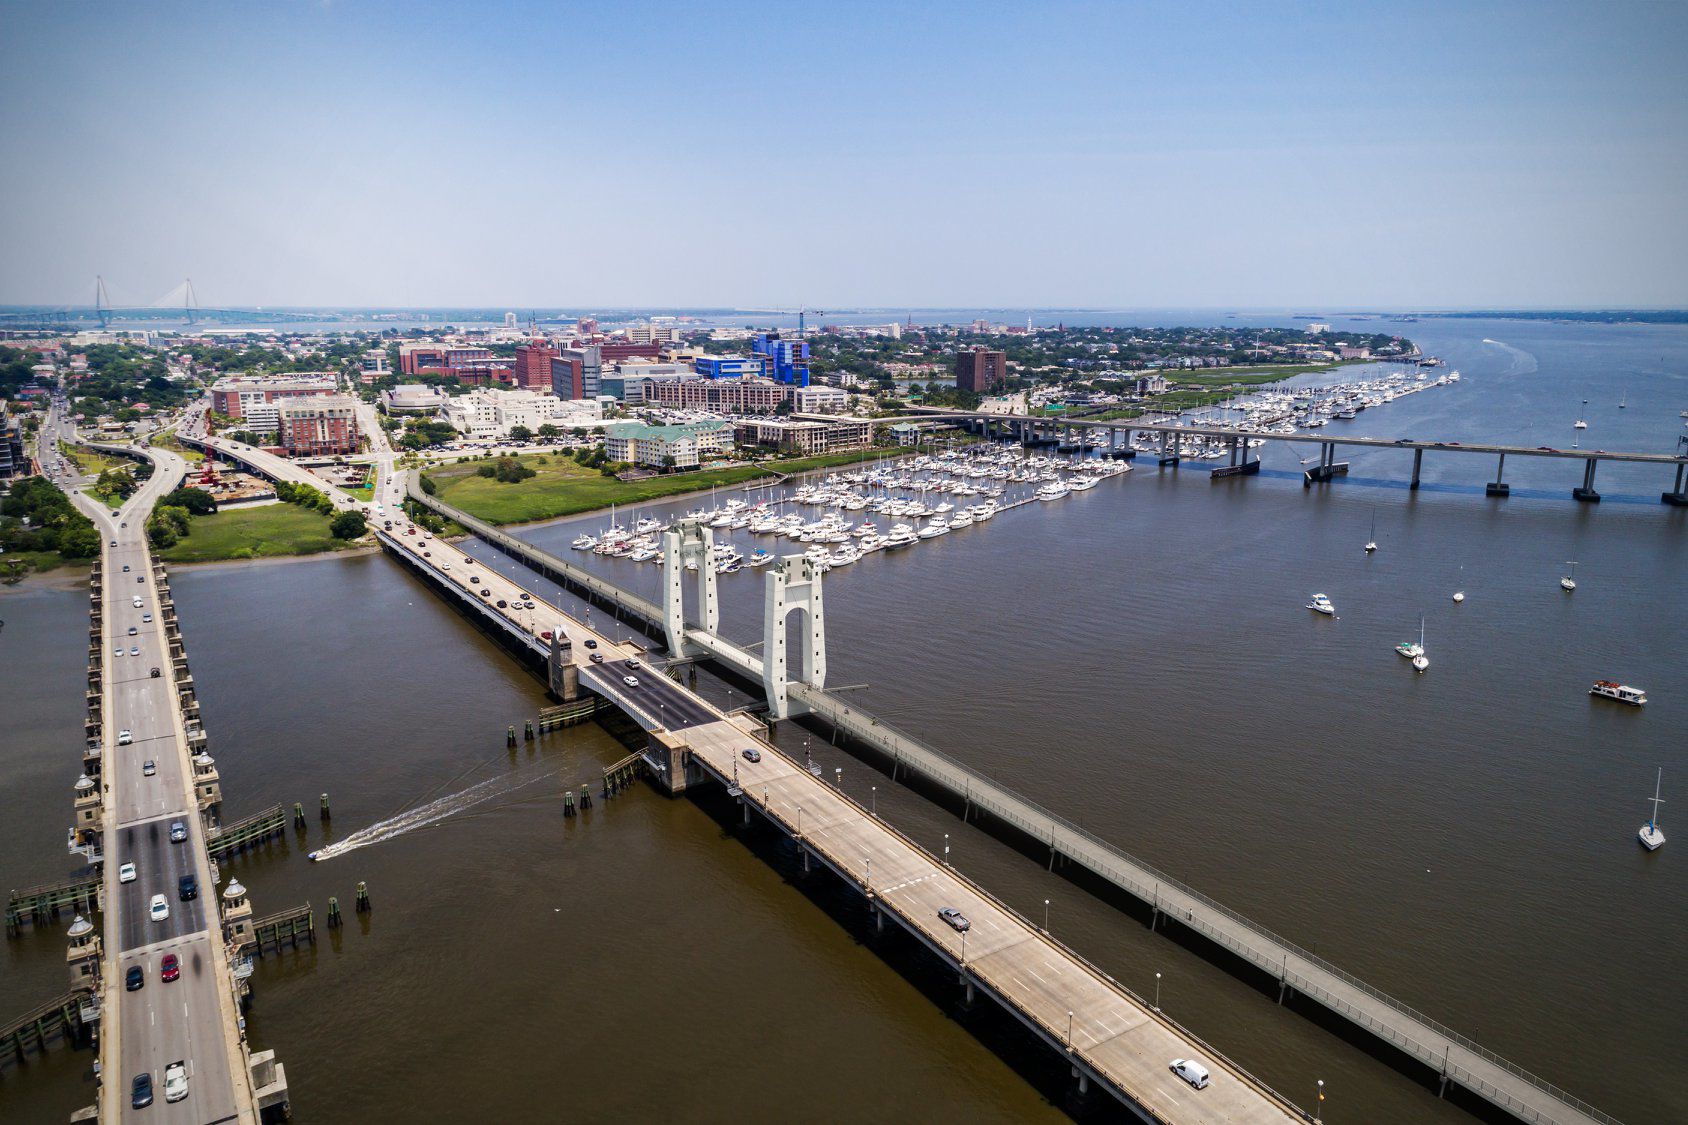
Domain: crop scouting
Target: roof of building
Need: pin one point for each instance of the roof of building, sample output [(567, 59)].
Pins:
[(641, 432)]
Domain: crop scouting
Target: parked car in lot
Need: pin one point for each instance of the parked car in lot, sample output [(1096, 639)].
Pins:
[(1192, 1072), (955, 919)]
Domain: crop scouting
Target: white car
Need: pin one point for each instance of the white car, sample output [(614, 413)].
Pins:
[(160, 908), (630, 681), (175, 1081), (126, 873), (1191, 1071), (124, 737), (445, 566), (118, 651)]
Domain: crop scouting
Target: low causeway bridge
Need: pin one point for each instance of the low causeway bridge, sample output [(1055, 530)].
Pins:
[(1118, 443), (1443, 1056)]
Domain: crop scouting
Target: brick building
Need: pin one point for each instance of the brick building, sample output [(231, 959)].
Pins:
[(318, 426), (532, 371), (235, 397), (980, 370)]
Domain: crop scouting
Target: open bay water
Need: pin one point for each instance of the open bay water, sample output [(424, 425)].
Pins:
[(1136, 658)]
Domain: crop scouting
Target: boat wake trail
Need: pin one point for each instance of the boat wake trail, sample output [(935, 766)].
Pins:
[(426, 814), (1523, 362)]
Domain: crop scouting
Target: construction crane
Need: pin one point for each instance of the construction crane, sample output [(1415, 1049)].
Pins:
[(800, 314)]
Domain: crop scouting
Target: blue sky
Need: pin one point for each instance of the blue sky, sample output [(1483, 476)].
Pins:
[(1113, 155)]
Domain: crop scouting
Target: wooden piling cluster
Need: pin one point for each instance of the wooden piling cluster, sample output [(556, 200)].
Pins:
[(35, 905)]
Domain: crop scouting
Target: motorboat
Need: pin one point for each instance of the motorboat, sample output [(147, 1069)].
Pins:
[(901, 535), (934, 529), (1321, 604), (1623, 693), (1652, 837)]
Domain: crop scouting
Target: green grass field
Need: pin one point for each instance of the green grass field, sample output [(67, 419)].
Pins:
[(255, 533), (562, 488)]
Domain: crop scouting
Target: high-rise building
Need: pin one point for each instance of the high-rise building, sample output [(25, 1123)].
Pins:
[(586, 326), (509, 320), (568, 375), (980, 370), (318, 425), (788, 359), (533, 366), (584, 377)]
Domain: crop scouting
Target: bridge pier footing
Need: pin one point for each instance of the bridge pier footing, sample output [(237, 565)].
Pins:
[(1675, 499), (1418, 463)]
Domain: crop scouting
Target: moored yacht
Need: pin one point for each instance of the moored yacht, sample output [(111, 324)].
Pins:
[(1321, 604), (1652, 837)]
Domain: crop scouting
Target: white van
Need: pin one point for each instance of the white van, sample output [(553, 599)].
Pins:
[(1191, 1071)]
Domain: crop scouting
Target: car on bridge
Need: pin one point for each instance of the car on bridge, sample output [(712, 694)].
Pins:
[(955, 919), (631, 662), (140, 1091), (178, 831), (148, 768), (751, 754), (126, 873), (188, 887), (133, 631), (159, 910), (124, 738), (134, 979), (630, 681), (170, 968), (1191, 1071), (596, 657), (590, 643), (176, 1081)]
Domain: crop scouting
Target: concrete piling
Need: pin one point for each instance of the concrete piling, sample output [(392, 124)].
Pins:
[(510, 736), (334, 921), (527, 734), (298, 815), (568, 803), (585, 796), (362, 904), (324, 814)]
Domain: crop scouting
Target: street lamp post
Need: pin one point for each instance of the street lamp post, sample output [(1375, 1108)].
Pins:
[(1045, 915), (1319, 1106), (873, 799), (1157, 992), (946, 849), (1069, 1033), (838, 777)]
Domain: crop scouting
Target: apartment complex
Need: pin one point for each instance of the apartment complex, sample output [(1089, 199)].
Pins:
[(317, 425), (749, 395), (657, 447), (14, 462), (802, 437), (980, 370)]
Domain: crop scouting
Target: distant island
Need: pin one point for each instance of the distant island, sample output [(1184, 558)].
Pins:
[(1585, 316)]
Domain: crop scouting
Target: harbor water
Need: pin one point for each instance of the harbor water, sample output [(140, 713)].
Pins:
[(1137, 658)]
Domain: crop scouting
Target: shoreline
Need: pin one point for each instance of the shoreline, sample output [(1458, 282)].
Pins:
[(743, 486)]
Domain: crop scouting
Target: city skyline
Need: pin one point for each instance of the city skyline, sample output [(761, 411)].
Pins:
[(885, 157)]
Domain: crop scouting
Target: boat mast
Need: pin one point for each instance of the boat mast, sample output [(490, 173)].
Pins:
[(1656, 799)]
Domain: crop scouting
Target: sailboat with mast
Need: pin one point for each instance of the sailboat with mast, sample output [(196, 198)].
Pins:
[(1579, 424), (1652, 837), (1568, 582), (1371, 542), (1421, 661)]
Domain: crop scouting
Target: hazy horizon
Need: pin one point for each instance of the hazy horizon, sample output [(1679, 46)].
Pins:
[(1085, 156)]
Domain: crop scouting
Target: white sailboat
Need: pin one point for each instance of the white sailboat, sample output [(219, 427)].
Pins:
[(1568, 582), (1459, 595), (1651, 836), (1421, 661), (1580, 424), (1371, 543)]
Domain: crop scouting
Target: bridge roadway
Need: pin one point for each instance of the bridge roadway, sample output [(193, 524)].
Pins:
[(1112, 1037), (1441, 1050), (194, 1018), (1228, 432)]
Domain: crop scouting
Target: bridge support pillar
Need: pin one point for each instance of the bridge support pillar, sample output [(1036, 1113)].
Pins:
[(1586, 493), (793, 585), (1679, 497), (1083, 1081), (1498, 487), (1418, 463), (688, 541)]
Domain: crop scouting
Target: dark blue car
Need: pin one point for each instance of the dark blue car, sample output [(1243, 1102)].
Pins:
[(140, 1093)]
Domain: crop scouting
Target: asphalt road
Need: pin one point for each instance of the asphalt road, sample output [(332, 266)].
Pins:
[(187, 1019)]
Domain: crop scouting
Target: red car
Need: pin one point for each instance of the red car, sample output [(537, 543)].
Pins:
[(170, 969)]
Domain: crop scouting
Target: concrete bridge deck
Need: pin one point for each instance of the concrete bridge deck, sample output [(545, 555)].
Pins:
[(194, 1019), (1111, 1036), (1454, 1057)]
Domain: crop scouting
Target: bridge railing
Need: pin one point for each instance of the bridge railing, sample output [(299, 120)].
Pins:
[(1039, 823)]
